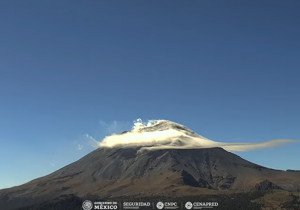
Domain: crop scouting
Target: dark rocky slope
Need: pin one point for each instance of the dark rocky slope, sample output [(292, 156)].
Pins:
[(112, 173)]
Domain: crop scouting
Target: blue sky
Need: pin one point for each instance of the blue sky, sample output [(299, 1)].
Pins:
[(227, 69)]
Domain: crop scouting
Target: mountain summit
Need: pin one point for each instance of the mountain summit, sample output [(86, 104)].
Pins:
[(159, 125), (157, 134)]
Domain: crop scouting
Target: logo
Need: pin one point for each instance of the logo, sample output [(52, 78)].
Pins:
[(112, 205), (136, 205), (167, 205), (188, 205), (87, 205), (205, 205), (160, 205)]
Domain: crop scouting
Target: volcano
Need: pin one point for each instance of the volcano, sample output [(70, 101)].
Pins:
[(154, 169)]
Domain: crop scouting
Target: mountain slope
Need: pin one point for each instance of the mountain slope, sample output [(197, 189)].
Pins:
[(117, 172)]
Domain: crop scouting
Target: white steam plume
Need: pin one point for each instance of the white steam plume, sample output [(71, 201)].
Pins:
[(164, 134)]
